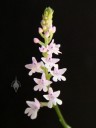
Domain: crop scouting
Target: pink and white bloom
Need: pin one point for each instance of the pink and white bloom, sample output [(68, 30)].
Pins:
[(50, 62), (33, 108), (34, 67), (53, 48), (57, 74), (52, 97), (42, 84)]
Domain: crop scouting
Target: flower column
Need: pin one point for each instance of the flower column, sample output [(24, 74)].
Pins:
[(48, 68)]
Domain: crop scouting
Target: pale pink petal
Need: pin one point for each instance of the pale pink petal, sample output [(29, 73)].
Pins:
[(55, 60), (56, 67), (59, 101), (55, 79), (58, 45), (36, 80), (34, 60), (43, 76), (54, 102), (50, 104), (62, 71), (37, 102), (52, 42), (30, 73), (57, 93), (30, 112), (30, 103), (34, 115), (27, 110), (45, 89), (48, 82), (28, 66), (40, 87), (59, 78), (36, 88), (50, 90), (63, 78)]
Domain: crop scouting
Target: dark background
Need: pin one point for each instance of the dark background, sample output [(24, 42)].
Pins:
[(76, 32)]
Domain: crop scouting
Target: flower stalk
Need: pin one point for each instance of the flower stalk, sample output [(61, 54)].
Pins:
[(48, 68), (61, 118)]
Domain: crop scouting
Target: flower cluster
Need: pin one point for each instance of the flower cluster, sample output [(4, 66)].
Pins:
[(48, 67)]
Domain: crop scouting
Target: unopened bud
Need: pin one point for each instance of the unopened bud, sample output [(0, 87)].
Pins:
[(44, 28), (40, 30), (47, 34), (36, 40), (54, 29)]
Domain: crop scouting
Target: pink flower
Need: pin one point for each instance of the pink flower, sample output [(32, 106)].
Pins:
[(53, 48), (33, 108), (57, 74), (52, 97), (42, 84), (34, 67)]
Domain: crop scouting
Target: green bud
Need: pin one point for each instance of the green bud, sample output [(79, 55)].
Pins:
[(48, 12), (47, 19)]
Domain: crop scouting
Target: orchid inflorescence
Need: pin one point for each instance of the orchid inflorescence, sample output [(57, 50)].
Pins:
[(48, 67)]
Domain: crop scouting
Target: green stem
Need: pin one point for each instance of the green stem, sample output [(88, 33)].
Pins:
[(50, 38), (61, 118), (48, 76)]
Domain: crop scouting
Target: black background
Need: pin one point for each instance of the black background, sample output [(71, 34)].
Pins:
[(76, 32)]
